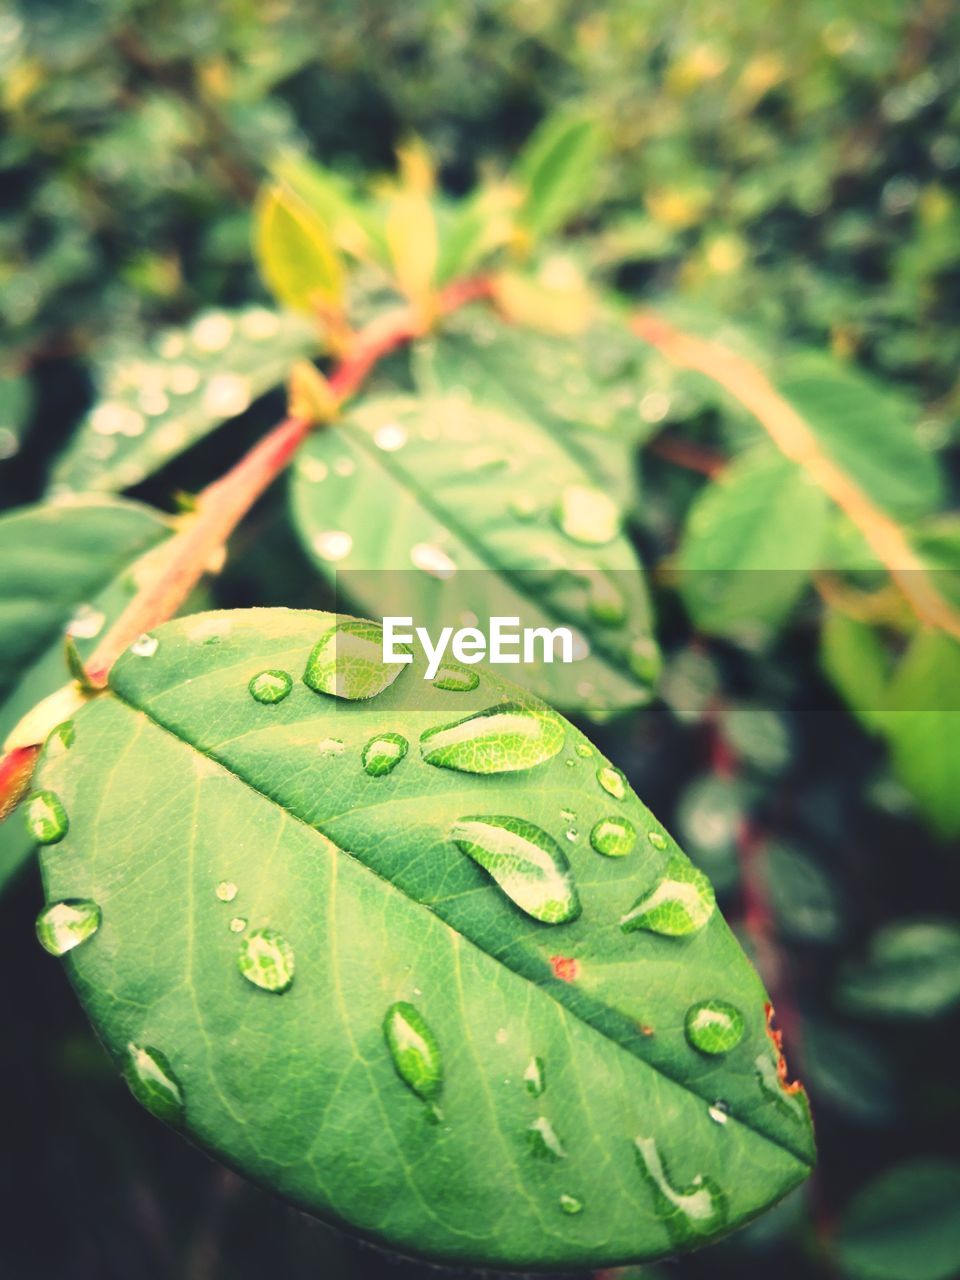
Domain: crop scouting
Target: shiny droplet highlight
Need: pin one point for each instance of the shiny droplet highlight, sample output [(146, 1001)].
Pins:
[(697, 1209), (543, 1141), (612, 781)]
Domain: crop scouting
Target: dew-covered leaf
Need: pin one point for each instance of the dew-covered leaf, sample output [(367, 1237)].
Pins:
[(904, 1225), (751, 540), (439, 507), (403, 999), (157, 401), (912, 970), (63, 566)]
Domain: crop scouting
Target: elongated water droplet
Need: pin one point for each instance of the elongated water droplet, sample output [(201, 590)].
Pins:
[(266, 959), (695, 1210), (657, 840), (145, 647), (46, 817), (432, 560), (527, 864), (383, 753), (347, 661), (613, 837), (544, 1143), (226, 891), (605, 602), (64, 925), (612, 781), (570, 1205), (584, 750), (713, 1026), (681, 902), (414, 1050), (270, 686), (455, 679), (535, 1078), (719, 1113), (499, 739), (151, 1081), (588, 516)]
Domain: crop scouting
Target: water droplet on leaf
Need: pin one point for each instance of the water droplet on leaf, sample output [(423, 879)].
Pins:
[(145, 647), (584, 750), (588, 516), (613, 837), (414, 1050), (383, 753), (270, 686), (64, 925), (152, 1082), (534, 1077), (226, 891), (680, 903), (499, 739), (455, 679), (612, 781), (713, 1026), (266, 959), (86, 622), (237, 924), (570, 1205), (657, 840), (689, 1211), (347, 662), (527, 864), (46, 817), (543, 1140)]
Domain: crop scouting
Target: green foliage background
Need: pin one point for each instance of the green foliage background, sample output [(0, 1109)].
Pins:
[(787, 171)]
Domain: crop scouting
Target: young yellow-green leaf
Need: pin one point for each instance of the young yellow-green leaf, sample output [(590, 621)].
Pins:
[(345, 1003), (354, 228), (557, 172), (411, 230), (63, 567), (480, 510), (295, 252), (751, 540), (157, 401), (904, 1225)]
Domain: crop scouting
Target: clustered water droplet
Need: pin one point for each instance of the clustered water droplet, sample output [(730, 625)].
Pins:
[(383, 753), (713, 1026), (65, 925), (151, 1081), (613, 837), (266, 959), (414, 1050), (499, 739), (347, 661), (270, 686), (526, 862), (46, 817), (680, 903)]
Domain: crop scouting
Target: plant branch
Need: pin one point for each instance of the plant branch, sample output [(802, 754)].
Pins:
[(795, 440)]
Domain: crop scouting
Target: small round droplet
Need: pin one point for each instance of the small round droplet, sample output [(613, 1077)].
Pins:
[(535, 1078), (269, 687), (680, 903), (570, 1205), (612, 781), (543, 1140), (613, 837), (657, 840), (266, 959), (237, 924), (226, 891), (150, 1079), (383, 753), (588, 516), (455, 679), (145, 646), (713, 1026), (719, 1113), (527, 864), (414, 1050), (46, 817), (64, 925)]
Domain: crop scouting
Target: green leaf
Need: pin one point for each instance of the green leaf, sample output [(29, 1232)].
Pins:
[(295, 252), (354, 228), (155, 403), (752, 538), (855, 658), (211, 829), (61, 565), (586, 394), (473, 230), (438, 506), (904, 1225), (866, 428), (920, 725), (557, 171), (912, 971)]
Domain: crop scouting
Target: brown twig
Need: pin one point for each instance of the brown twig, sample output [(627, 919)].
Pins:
[(795, 440)]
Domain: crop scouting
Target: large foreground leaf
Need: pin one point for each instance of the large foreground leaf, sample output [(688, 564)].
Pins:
[(155, 403), (439, 506), (314, 933), (61, 565)]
